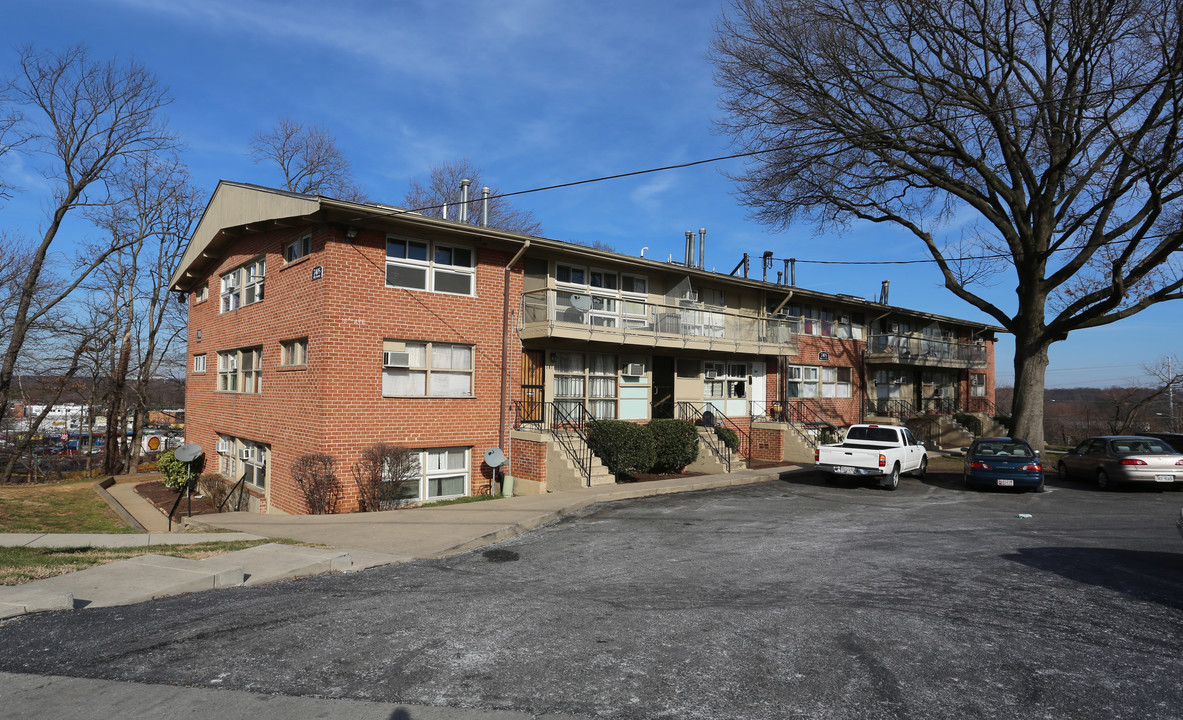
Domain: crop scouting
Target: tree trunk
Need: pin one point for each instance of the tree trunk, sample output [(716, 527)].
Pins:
[(1030, 371)]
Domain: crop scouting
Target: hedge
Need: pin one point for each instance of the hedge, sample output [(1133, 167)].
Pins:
[(675, 443), (625, 448), (729, 436)]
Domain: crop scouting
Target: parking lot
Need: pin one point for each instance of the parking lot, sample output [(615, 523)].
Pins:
[(787, 599)]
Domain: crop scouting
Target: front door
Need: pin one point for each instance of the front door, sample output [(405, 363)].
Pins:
[(663, 387), (533, 385)]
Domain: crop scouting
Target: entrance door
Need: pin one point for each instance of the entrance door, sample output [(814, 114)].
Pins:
[(533, 385), (759, 390), (663, 387)]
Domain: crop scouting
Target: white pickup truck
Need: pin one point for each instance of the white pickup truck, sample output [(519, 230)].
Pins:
[(883, 451)]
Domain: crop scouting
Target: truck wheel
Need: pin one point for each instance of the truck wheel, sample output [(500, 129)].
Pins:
[(922, 470), (893, 480)]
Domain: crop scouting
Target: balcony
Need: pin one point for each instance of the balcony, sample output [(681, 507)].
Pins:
[(623, 320), (924, 352)]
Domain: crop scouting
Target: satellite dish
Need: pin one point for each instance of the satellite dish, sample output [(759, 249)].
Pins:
[(188, 453), (582, 303), (494, 458)]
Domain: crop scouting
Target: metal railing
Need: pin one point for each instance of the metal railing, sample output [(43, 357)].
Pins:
[(646, 322), (891, 407), (690, 412), (567, 423), (237, 493), (919, 350), (804, 413)]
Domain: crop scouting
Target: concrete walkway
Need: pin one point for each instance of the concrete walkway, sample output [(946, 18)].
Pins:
[(360, 541)]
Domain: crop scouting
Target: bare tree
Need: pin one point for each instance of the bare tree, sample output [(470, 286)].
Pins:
[(381, 474), (316, 476), (1055, 124), (441, 193), (88, 119), (308, 157)]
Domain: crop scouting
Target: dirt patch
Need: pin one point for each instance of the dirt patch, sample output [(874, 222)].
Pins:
[(164, 498), (650, 477)]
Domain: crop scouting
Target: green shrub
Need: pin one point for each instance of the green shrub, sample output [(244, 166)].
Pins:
[(970, 422), (1007, 422), (729, 436), (175, 472), (675, 443), (625, 448)]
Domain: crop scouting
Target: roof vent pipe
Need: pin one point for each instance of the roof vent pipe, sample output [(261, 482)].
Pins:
[(689, 248), (485, 207), (883, 292), (702, 242), (464, 199)]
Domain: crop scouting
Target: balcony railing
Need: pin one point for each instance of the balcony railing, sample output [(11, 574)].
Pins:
[(911, 350), (549, 312)]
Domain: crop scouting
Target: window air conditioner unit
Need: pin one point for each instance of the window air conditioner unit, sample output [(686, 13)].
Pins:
[(232, 364), (244, 454), (634, 369), (223, 447), (712, 374), (396, 359)]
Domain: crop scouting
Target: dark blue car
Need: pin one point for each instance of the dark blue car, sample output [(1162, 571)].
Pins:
[(1002, 462)]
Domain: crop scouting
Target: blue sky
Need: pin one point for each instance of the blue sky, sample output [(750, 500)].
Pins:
[(535, 92)]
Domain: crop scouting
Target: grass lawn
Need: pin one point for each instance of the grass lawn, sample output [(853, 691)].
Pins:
[(21, 564), (68, 507)]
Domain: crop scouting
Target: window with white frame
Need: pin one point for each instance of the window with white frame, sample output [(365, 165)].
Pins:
[(199, 363), (243, 459), (298, 248), (440, 473), (585, 380), (570, 274), (725, 380), (426, 369), (240, 370), (802, 381), (294, 352), (977, 384), (836, 382), (243, 285), (434, 266), (201, 294), (602, 279), (635, 284)]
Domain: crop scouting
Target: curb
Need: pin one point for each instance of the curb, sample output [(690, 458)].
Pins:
[(101, 488)]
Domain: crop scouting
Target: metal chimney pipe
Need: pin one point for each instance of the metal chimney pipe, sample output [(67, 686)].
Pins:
[(793, 262), (444, 211), (689, 248), (464, 199), (485, 207), (702, 242), (883, 292)]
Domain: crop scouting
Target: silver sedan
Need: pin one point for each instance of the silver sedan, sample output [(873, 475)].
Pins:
[(1115, 459)]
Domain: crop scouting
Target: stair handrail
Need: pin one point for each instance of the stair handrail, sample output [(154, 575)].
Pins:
[(798, 414), (238, 487), (687, 412), (564, 426)]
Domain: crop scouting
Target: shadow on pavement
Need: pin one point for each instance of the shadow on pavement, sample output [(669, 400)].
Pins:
[(1145, 575)]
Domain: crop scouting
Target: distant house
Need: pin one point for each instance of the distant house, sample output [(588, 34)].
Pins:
[(319, 325)]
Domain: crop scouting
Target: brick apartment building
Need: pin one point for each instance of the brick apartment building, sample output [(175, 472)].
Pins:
[(319, 325)]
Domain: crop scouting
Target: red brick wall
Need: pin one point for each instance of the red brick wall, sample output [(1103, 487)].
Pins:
[(767, 444), (335, 403), (842, 353), (528, 459)]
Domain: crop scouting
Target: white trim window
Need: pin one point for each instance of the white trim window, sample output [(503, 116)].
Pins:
[(442, 473), (241, 370), (802, 381), (245, 457), (977, 384), (426, 369), (836, 382), (244, 285), (432, 266), (199, 363), (294, 352), (588, 381), (298, 248)]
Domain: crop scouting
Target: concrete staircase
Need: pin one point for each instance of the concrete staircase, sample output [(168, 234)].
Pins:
[(711, 461), (148, 577), (562, 473)]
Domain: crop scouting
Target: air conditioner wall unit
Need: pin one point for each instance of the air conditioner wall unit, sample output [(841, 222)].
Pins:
[(223, 447), (634, 369), (712, 374), (396, 359), (244, 454)]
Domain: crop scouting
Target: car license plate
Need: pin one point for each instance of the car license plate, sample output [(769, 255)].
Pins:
[(843, 470), (1164, 478), (1006, 482)]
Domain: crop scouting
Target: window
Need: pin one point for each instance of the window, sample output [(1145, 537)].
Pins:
[(294, 352), (802, 381), (587, 381), (725, 380), (836, 382), (241, 370), (437, 267), (602, 279), (244, 459), (442, 473), (570, 274), (297, 249), (423, 369), (199, 363), (243, 285), (634, 284), (977, 384), (201, 294)]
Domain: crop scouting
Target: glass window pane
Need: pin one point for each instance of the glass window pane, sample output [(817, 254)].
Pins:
[(401, 381), (417, 354), (408, 277), (449, 282), (568, 362), (416, 250), (461, 357), (446, 384), (445, 486), (441, 356)]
